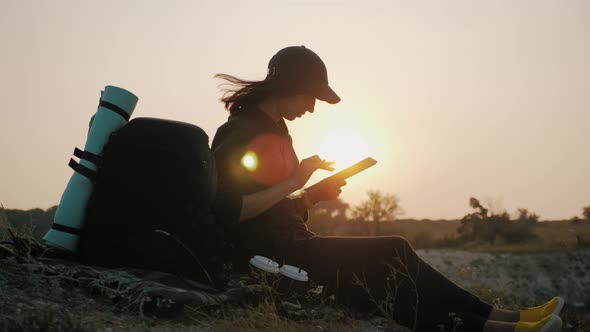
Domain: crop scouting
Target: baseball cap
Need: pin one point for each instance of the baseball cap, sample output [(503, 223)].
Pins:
[(298, 69)]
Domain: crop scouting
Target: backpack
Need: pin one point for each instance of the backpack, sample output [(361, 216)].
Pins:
[(151, 203)]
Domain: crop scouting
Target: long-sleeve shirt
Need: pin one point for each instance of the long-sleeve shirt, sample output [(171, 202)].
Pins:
[(253, 153)]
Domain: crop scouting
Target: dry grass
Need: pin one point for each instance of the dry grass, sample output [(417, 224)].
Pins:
[(387, 306), (3, 223), (32, 301), (266, 316), (35, 301)]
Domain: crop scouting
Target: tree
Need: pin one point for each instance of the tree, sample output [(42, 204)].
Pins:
[(478, 226), (474, 203), (525, 215), (332, 210), (494, 205), (378, 207), (586, 212)]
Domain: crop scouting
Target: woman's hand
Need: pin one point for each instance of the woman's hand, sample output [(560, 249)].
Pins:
[(256, 203), (325, 191), (306, 168)]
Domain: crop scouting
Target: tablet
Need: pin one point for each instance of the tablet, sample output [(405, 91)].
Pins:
[(349, 171)]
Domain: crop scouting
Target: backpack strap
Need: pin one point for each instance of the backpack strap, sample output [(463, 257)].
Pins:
[(87, 172), (114, 108), (87, 155), (66, 229)]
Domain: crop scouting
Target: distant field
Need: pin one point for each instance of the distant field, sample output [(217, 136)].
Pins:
[(411, 229), (562, 233), (422, 233)]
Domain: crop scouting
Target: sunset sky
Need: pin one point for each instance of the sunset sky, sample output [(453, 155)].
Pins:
[(455, 99)]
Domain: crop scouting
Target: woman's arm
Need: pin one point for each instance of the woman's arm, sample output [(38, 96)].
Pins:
[(256, 203)]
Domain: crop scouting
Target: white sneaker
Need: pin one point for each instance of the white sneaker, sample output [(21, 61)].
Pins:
[(265, 264), (294, 272)]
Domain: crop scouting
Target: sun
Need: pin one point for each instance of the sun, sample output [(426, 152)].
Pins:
[(345, 147)]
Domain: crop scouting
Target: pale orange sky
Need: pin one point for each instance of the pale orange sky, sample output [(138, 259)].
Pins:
[(454, 98)]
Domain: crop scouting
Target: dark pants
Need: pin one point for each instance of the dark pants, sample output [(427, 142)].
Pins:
[(419, 295)]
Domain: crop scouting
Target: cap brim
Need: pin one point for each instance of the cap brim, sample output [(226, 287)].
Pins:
[(325, 93)]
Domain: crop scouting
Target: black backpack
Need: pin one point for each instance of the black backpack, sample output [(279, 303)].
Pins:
[(151, 204)]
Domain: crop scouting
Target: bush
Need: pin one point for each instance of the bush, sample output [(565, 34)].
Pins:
[(34, 222), (517, 231), (479, 227)]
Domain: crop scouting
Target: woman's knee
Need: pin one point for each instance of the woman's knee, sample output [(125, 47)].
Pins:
[(399, 249), (399, 243)]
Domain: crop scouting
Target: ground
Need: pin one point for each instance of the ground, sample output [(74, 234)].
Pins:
[(34, 300)]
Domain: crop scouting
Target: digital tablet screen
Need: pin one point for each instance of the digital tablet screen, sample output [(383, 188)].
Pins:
[(349, 171)]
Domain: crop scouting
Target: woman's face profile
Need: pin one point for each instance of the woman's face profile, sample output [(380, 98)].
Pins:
[(293, 107)]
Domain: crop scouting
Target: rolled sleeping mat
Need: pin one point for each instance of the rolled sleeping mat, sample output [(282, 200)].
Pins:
[(114, 110)]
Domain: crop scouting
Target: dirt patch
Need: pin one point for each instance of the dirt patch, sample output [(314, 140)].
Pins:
[(531, 278)]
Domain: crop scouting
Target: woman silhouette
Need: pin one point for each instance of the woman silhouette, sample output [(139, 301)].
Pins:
[(259, 170)]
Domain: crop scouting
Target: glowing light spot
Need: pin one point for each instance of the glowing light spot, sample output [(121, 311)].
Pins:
[(343, 146), (250, 161)]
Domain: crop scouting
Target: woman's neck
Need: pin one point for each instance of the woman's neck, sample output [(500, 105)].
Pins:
[(270, 106)]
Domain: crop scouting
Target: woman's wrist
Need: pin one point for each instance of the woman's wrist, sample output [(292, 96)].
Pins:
[(293, 184)]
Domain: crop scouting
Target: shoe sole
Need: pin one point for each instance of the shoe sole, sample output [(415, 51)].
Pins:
[(553, 325), (560, 304)]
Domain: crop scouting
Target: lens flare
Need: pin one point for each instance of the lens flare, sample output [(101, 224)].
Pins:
[(250, 161)]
